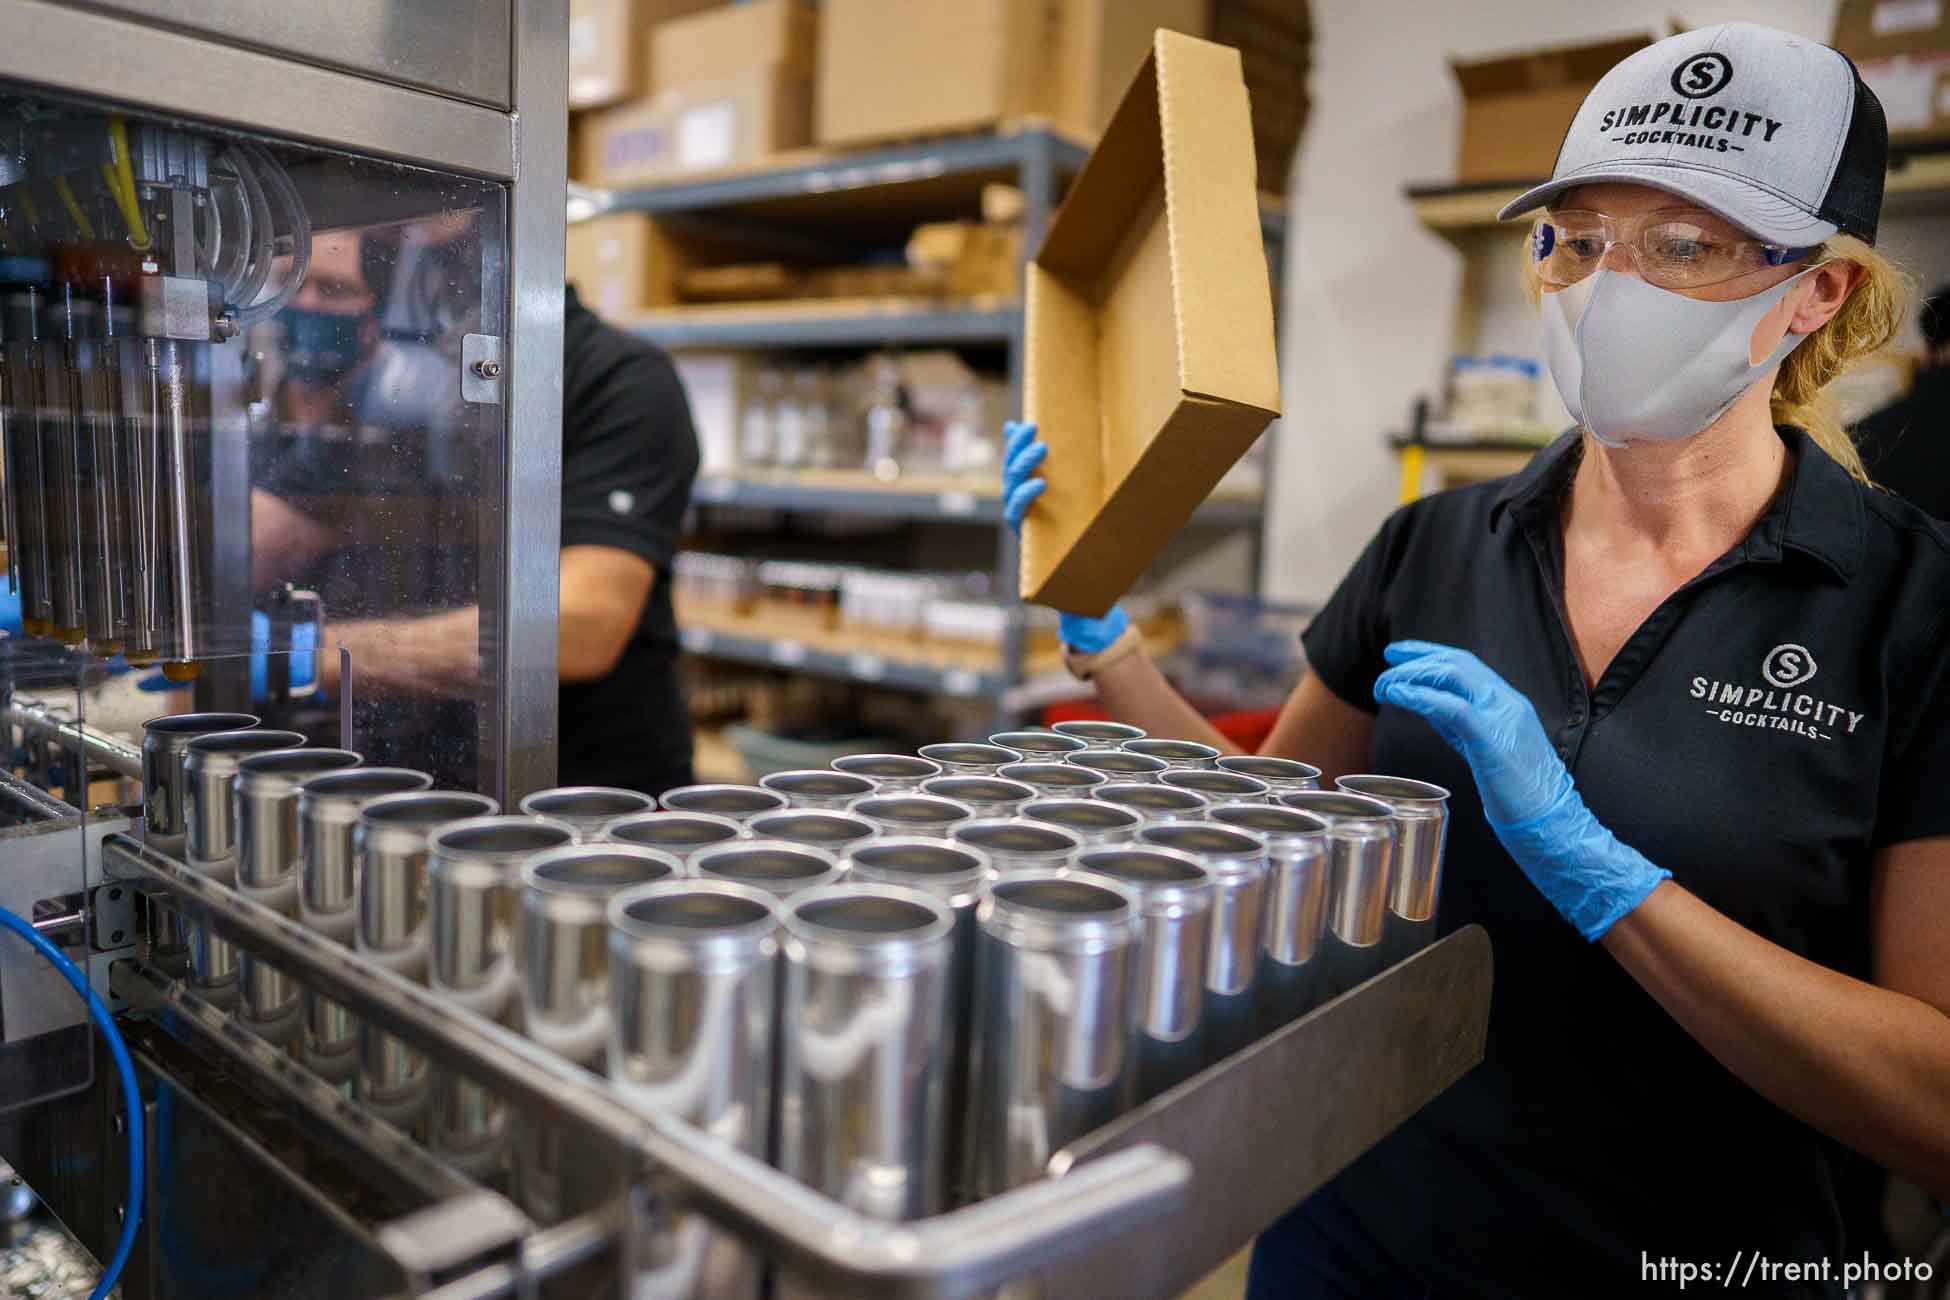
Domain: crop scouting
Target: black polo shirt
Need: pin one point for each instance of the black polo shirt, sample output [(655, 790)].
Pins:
[(1767, 729), (629, 457)]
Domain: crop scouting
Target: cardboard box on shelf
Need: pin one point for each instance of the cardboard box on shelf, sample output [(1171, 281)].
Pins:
[(706, 126), (891, 69), (1150, 359), (1517, 107), (606, 46), (627, 262), (1902, 49), (733, 39)]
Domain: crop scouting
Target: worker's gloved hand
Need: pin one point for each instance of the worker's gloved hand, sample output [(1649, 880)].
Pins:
[(1528, 795), (1022, 453)]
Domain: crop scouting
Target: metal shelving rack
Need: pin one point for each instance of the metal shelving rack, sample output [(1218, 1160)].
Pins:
[(822, 201)]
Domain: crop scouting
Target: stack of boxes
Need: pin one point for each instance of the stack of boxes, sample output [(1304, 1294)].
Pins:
[(719, 88)]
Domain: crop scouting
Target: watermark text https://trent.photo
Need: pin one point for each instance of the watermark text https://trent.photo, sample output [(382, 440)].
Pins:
[(1753, 1269)]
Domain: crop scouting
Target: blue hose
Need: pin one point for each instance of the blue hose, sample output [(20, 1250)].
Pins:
[(131, 1097)]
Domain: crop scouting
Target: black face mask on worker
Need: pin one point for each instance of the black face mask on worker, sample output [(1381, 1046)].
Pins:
[(321, 346)]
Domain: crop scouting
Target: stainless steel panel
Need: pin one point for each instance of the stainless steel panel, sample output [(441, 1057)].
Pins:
[(518, 602), (1364, 1062), (88, 53), (455, 47)]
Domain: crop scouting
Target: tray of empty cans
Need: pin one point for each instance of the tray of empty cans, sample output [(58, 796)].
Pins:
[(936, 990)]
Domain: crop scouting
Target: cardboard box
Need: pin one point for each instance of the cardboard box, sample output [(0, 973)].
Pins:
[(1150, 359), (627, 262), (606, 46), (1902, 50), (708, 126), (893, 69), (1516, 108), (732, 40)]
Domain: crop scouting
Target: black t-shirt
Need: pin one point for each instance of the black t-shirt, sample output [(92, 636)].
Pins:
[(629, 456), (1907, 444), (1766, 730)]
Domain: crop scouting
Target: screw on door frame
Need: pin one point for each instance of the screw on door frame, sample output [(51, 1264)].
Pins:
[(488, 368)]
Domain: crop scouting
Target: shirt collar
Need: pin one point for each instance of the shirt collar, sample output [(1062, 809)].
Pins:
[(1817, 514)]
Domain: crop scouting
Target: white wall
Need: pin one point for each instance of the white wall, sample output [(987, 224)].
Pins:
[(1370, 295)]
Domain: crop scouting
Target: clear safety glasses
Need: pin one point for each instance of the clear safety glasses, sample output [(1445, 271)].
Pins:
[(1674, 248)]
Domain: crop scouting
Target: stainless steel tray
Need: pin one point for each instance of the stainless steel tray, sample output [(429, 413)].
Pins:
[(1139, 1208)]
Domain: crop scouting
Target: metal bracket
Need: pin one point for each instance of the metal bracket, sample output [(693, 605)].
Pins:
[(480, 369), (112, 910)]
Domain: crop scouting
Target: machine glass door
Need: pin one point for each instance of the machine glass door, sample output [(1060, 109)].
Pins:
[(253, 447)]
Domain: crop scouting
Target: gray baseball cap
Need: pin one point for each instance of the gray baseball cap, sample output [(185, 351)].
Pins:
[(1775, 133)]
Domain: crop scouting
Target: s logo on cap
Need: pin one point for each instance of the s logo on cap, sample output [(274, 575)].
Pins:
[(1702, 75)]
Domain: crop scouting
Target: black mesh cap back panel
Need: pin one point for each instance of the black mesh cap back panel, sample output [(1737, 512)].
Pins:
[(1854, 198)]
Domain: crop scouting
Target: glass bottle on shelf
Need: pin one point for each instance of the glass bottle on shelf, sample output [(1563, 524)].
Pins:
[(755, 430), (886, 420), (789, 422)]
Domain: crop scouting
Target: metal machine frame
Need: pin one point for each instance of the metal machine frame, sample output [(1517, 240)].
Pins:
[(62, 48)]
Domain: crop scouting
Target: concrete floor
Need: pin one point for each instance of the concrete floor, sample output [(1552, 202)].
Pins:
[(1227, 1282)]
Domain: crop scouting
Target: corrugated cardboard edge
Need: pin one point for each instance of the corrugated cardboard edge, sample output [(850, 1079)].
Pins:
[(1102, 562), (1207, 279)]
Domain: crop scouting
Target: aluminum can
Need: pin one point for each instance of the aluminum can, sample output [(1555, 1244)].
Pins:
[(1039, 746), (1218, 786), (1155, 804), (564, 960), (1421, 835), (964, 758), (165, 742), (861, 1079), (912, 814), (1238, 862), (1053, 1020), (986, 796), (778, 867), (328, 880), (1092, 821), (1360, 858), (889, 772), (1280, 774), (818, 788), (834, 832), (210, 841), (1017, 844), (473, 881), (684, 834), (1174, 894), (1180, 754), (390, 929), (1288, 983), (1055, 779), (1100, 735), (588, 808), (1118, 764), (740, 803), (959, 877), (692, 1010)]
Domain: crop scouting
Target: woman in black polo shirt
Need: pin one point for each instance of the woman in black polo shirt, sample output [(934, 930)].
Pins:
[(1689, 677)]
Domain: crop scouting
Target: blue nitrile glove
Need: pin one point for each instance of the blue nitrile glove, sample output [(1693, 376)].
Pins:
[(303, 668), (1528, 795), (1022, 452), (10, 612)]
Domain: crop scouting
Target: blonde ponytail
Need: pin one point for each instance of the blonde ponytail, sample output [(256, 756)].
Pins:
[(1866, 323)]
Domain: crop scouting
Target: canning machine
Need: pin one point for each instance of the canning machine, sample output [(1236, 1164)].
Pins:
[(280, 373)]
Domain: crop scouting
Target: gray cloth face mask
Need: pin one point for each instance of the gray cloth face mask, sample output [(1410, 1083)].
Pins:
[(1638, 363)]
